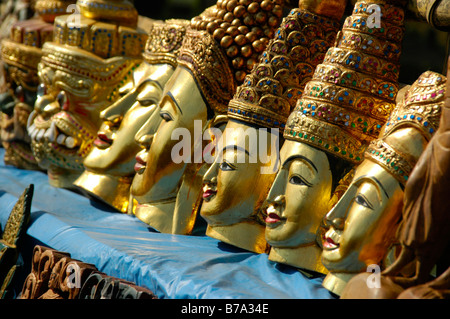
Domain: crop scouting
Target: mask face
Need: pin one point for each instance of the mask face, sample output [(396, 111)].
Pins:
[(66, 115), (362, 223), (109, 167), (299, 197), (237, 182), (16, 106), (114, 148), (158, 169)]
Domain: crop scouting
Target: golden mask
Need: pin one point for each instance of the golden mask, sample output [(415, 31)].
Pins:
[(109, 167), (21, 53), (262, 103), (214, 58), (337, 116), (361, 227), (83, 70)]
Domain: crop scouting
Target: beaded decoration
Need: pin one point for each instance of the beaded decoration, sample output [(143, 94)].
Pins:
[(420, 108), (223, 44), (270, 91), (164, 42), (110, 73), (353, 90)]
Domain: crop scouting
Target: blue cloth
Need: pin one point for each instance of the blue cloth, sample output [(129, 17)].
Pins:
[(172, 266)]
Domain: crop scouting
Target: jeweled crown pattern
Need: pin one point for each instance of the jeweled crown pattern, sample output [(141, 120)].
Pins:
[(269, 93), (353, 91), (420, 108)]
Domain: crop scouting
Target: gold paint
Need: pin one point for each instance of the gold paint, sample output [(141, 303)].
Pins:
[(21, 54), (232, 173), (88, 66), (299, 198), (74, 95), (361, 227), (264, 100), (362, 223), (248, 235), (115, 157), (156, 183)]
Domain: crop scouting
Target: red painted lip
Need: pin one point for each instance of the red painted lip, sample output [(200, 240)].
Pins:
[(102, 141), (209, 193), (140, 164), (104, 138), (273, 218), (329, 243)]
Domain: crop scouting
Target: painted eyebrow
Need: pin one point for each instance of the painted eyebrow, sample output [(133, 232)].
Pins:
[(169, 94), (375, 180), (293, 157), (237, 148), (151, 81)]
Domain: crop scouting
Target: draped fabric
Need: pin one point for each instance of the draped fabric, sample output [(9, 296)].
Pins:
[(426, 215), (121, 246)]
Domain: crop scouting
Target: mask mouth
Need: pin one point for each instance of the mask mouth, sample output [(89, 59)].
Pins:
[(330, 240), (58, 133), (103, 140), (141, 164), (209, 192), (274, 216)]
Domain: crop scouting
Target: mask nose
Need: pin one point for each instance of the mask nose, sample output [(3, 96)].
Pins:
[(210, 176), (145, 140)]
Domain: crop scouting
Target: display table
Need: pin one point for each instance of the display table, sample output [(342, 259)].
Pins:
[(171, 266)]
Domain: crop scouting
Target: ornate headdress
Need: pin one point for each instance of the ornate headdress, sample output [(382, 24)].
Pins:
[(109, 52), (420, 108), (269, 93), (92, 32), (353, 91), (23, 50), (164, 41), (223, 44)]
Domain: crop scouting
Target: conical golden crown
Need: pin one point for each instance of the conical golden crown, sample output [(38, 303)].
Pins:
[(420, 109), (353, 91), (270, 92)]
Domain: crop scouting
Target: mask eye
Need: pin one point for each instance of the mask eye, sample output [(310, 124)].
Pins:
[(224, 166), (361, 200), (62, 99), (19, 93), (297, 180), (146, 102), (166, 116), (41, 90)]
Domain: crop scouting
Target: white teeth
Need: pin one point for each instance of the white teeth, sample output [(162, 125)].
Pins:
[(30, 119), (50, 133), (30, 129), (70, 142), (33, 133), (40, 135), (60, 139)]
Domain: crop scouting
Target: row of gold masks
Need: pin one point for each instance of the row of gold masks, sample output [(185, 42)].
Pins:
[(233, 212)]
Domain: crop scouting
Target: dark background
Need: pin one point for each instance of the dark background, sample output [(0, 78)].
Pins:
[(424, 48)]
